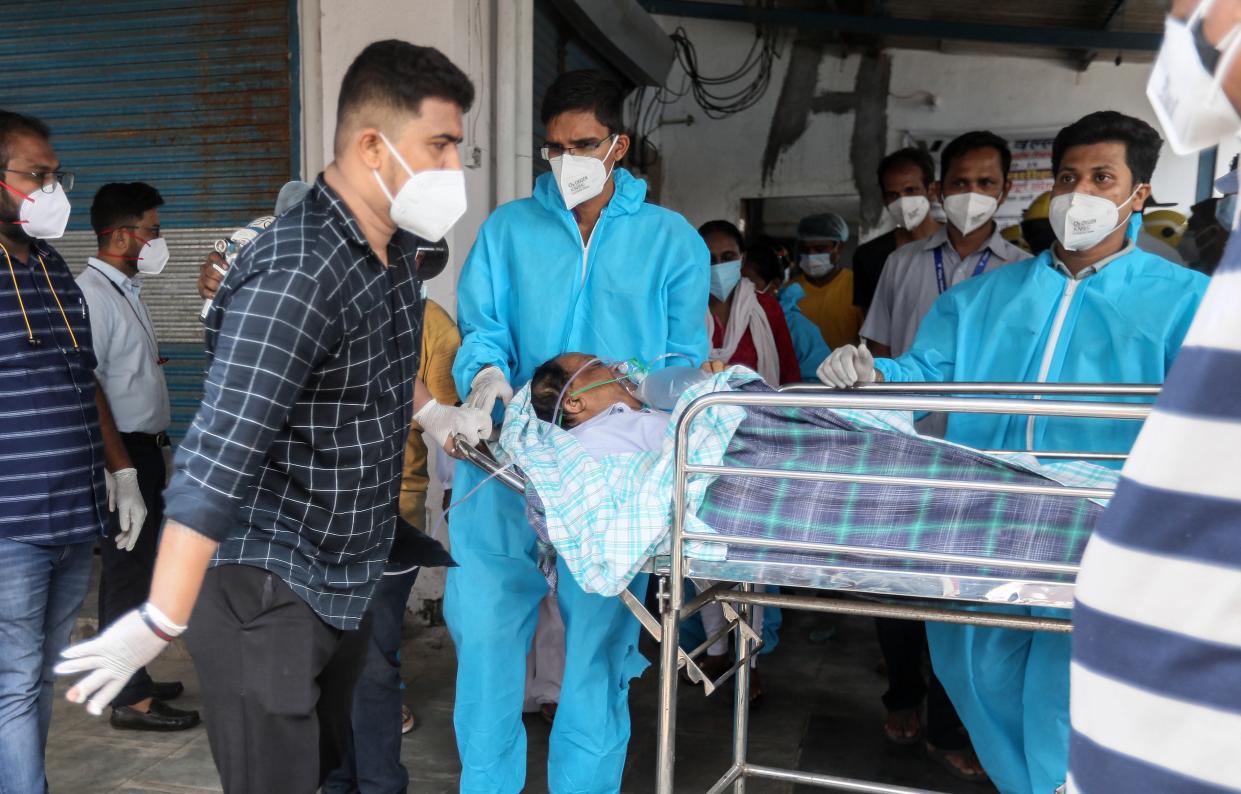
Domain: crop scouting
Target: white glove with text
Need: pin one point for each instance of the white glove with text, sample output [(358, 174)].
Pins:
[(848, 365), (125, 499)]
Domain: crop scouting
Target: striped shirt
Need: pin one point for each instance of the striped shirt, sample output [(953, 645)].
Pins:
[(51, 452), (293, 462), (1156, 676)]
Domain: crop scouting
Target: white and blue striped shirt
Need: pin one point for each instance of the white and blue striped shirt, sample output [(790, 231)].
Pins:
[(1156, 677)]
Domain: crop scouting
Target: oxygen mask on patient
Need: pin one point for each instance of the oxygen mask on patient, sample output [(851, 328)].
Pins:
[(656, 388)]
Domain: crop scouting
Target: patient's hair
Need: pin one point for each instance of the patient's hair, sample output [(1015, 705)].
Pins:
[(545, 387)]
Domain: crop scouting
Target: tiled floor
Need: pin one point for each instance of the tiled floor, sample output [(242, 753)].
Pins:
[(821, 712)]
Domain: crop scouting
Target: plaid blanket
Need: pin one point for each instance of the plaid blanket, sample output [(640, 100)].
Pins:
[(978, 523), (606, 518)]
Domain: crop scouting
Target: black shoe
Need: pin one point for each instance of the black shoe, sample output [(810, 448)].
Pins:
[(166, 690), (160, 717)]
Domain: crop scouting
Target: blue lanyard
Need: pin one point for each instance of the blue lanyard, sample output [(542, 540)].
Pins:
[(939, 267)]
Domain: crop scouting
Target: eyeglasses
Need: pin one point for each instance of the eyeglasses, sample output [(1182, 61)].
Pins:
[(47, 179), (550, 151), (153, 231)]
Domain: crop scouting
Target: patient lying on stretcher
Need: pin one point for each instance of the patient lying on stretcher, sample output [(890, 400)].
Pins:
[(599, 408), (601, 481)]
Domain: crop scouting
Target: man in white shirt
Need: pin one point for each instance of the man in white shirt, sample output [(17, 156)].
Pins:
[(125, 218), (974, 183)]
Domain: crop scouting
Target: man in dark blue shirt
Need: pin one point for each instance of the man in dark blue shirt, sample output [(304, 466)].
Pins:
[(287, 484), (54, 439)]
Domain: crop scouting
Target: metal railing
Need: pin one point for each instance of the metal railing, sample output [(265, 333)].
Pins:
[(904, 397)]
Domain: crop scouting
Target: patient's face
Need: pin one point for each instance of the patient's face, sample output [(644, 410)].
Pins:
[(594, 390)]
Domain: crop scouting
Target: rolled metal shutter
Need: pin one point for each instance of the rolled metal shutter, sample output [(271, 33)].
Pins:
[(196, 98)]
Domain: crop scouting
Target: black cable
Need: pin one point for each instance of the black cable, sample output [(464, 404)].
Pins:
[(719, 96), (724, 95)]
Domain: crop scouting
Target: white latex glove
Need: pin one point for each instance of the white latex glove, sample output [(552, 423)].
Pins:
[(488, 386), (445, 422), (848, 365), (125, 499), (110, 659)]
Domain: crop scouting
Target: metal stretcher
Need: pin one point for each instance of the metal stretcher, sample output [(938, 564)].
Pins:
[(857, 589)]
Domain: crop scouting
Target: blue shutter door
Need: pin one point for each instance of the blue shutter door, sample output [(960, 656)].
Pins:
[(196, 98), (190, 96)]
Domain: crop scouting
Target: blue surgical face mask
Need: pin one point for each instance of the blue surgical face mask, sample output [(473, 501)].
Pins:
[(724, 278)]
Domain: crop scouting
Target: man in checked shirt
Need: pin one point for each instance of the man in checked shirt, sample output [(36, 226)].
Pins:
[(284, 502)]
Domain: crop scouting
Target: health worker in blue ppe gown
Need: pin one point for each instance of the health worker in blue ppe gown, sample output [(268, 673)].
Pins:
[(1093, 308), (584, 264)]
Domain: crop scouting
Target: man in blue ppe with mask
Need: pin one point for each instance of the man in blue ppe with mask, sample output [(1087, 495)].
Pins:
[(1156, 652), (1092, 308), (584, 264)]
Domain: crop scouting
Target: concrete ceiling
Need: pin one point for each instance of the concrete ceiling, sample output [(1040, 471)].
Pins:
[(1079, 31)]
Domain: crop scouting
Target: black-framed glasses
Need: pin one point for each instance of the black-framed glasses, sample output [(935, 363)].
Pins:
[(153, 231), (48, 179), (549, 151)]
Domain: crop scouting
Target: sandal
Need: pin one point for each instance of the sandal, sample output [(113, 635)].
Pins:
[(950, 760), (903, 718)]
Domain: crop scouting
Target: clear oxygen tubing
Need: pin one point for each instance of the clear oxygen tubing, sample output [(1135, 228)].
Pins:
[(633, 371), (457, 502), (443, 516), (555, 421)]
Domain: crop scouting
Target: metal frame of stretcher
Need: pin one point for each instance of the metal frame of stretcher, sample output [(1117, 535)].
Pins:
[(905, 594), (899, 594)]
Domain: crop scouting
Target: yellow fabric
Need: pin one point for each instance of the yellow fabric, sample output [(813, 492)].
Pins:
[(440, 340), (831, 308), (1039, 209), (414, 503)]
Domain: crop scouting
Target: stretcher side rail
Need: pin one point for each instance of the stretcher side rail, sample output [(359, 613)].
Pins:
[(905, 397)]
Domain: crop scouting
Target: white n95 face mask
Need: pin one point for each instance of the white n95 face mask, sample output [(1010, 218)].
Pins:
[(1188, 100), (969, 211), (153, 257), (1080, 221), (909, 211), (429, 202), (43, 215), (581, 177), (815, 265)]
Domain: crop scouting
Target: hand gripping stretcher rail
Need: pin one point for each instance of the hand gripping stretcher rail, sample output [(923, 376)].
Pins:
[(889, 593)]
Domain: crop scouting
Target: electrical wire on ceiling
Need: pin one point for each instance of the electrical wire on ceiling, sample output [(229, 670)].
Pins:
[(719, 96), (725, 95)]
